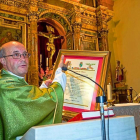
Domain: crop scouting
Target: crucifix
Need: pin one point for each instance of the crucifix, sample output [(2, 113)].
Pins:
[(50, 44)]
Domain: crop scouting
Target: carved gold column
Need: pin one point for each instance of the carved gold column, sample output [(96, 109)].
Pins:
[(33, 44), (103, 16), (104, 40), (76, 24), (76, 30), (105, 47)]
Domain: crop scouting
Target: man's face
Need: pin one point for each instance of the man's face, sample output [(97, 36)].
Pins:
[(16, 66)]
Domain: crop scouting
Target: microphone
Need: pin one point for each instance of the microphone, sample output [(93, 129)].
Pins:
[(99, 99), (64, 68)]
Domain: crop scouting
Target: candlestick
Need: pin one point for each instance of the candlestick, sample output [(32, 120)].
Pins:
[(40, 58), (47, 62), (74, 42), (109, 92)]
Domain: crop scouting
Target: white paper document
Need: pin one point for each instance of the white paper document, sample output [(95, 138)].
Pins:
[(79, 90)]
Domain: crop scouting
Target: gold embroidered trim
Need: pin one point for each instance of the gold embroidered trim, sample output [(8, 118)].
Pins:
[(56, 104)]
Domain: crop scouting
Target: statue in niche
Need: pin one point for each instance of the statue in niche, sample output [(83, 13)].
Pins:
[(50, 44), (119, 72)]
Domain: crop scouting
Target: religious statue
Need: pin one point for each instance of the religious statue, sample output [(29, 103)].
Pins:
[(119, 72), (50, 44)]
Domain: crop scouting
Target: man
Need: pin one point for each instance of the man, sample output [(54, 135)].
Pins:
[(21, 105)]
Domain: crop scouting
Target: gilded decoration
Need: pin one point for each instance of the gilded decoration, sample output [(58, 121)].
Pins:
[(12, 29), (89, 20), (10, 34), (85, 26), (13, 8), (21, 3), (103, 16), (91, 3), (33, 45), (76, 30), (61, 16), (11, 16), (32, 48), (59, 19), (89, 42), (70, 39), (57, 13), (16, 3)]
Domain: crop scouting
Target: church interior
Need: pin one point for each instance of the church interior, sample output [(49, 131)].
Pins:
[(47, 26), (96, 25)]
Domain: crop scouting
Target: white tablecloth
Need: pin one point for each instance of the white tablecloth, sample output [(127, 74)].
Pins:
[(132, 109)]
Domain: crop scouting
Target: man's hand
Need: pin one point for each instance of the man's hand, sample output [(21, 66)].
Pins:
[(62, 64), (48, 82)]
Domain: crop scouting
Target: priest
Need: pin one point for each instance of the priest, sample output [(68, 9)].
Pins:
[(22, 105)]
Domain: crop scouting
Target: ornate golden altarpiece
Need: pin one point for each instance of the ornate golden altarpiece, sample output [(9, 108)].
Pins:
[(84, 27)]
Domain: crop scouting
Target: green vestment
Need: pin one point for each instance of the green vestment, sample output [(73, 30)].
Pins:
[(23, 106)]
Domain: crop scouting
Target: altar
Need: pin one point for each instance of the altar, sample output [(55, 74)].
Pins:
[(129, 109), (120, 128)]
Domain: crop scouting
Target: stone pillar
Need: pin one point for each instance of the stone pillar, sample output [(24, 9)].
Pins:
[(33, 44)]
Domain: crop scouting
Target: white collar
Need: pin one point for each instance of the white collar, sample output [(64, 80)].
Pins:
[(16, 75)]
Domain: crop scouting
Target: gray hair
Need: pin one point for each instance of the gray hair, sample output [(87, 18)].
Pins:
[(2, 52)]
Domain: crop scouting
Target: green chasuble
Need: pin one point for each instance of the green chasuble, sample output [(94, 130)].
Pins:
[(23, 106)]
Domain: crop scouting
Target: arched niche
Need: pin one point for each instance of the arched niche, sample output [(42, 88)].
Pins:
[(61, 23), (58, 27), (62, 27)]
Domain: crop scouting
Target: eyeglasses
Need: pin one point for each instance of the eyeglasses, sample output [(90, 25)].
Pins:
[(18, 55)]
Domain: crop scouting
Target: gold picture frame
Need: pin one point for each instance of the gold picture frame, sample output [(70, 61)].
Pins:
[(88, 63)]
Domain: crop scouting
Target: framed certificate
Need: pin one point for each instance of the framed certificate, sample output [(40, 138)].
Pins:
[(80, 93)]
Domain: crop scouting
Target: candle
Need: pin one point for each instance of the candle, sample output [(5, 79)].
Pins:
[(79, 42), (47, 62), (40, 58), (74, 42), (109, 92)]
